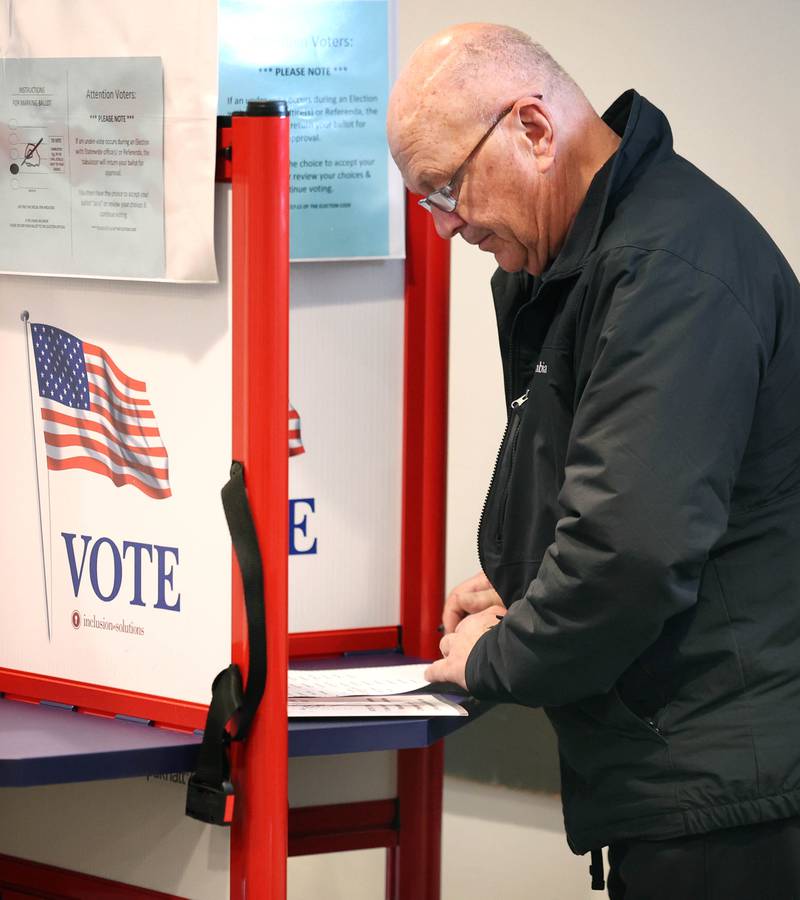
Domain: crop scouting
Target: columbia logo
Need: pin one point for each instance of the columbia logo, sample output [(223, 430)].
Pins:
[(541, 368)]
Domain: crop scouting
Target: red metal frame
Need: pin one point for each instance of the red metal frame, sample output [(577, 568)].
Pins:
[(260, 177), (345, 826), (52, 883), (409, 829), (427, 293), (177, 715), (328, 643), (413, 865)]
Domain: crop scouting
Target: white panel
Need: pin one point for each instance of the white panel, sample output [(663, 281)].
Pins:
[(176, 338), (133, 830), (345, 778), (347, 385), (346, 382)]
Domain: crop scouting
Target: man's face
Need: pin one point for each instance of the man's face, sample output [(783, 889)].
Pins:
[(497, 192)]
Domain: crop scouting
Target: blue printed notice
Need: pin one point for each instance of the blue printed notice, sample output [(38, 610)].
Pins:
[(330, 62)]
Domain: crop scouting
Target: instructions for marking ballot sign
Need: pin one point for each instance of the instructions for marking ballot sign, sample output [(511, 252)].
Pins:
[(82, 166)]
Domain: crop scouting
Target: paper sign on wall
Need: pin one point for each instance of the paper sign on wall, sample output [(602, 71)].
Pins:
[(82, 166), (107, 162), (332, 62)]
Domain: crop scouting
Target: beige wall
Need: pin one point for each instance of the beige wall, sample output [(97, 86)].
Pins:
[(727, 76)]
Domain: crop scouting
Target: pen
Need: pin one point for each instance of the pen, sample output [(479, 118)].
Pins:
[(29, 153)]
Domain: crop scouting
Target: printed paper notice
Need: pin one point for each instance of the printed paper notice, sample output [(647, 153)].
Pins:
[(82, 166), (332, 62)]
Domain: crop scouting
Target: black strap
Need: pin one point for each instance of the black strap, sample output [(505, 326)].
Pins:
[(210, 794), (597, 870), (248, 554)]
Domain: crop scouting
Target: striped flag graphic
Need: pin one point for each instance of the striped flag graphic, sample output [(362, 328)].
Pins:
[(295, 440), (99, 419), (95, 416)]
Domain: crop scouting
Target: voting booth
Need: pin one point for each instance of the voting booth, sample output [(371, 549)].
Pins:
[(126, 402)]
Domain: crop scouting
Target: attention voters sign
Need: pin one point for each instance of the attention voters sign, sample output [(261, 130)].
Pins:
[(82, 167), (332, 62)]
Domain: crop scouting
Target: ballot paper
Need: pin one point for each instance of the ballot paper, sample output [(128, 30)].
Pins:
[(370, 681), (420, 706), (369, 691)]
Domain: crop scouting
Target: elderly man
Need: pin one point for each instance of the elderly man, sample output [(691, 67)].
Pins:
[(640, 543)]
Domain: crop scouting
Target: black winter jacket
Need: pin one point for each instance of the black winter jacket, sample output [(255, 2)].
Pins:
[(643, 522)]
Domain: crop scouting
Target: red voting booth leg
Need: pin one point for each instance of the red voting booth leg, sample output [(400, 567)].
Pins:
[(427, 302), (260, 277), (414, 865)]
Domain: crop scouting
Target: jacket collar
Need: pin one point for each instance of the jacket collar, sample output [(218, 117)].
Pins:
[(646, 135)]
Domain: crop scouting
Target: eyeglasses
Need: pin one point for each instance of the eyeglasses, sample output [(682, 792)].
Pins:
[(446, 198)]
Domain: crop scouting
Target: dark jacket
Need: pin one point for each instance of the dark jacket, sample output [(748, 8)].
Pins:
[(643, 523)]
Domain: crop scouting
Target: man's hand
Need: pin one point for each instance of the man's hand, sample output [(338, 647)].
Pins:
[(456, 647), (471, 596)]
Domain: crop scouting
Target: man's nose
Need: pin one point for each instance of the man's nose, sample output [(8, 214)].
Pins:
[(447, 224)]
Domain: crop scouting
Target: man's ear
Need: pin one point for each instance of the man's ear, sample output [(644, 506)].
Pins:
[(535, 118)]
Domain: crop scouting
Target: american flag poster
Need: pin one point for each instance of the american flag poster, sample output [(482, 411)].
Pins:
[(112, 535), (96, 417)]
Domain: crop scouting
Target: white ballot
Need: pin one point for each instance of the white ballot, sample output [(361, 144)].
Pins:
[(375, 680), (421, 706), (370, 691)]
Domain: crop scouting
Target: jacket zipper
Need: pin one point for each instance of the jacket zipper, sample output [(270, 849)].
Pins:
[(513, 435), (515, 405), (521, 400), (513, 416)]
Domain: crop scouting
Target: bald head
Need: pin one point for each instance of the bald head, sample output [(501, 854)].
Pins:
[(466, 75), (512, 198)]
